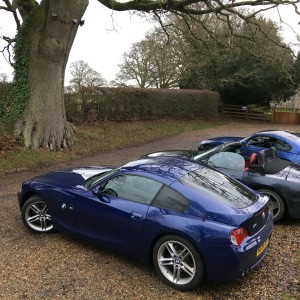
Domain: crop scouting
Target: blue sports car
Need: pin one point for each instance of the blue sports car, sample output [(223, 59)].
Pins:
[(191, 221), (287, 143)]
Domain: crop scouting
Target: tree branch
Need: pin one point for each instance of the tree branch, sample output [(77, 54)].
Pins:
[(13, 11), (189, 6)]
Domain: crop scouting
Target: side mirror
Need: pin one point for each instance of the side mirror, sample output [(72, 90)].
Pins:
[(97, 191)]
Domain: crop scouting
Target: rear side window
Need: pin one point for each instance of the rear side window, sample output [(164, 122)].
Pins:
[(219, 187), (170, 199), (282, 146)]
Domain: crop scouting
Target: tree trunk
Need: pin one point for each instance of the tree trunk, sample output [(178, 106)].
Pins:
[(50, 34)]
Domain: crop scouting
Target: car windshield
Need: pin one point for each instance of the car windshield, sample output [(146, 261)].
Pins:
[(96, 178), (207, 153), (219, 187)]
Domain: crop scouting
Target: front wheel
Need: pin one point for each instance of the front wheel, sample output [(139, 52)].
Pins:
[(278, 206), (178, 263), (35, 215)]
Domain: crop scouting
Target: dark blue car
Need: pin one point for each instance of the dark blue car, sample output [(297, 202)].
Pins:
[(191, 221), (287, 143)]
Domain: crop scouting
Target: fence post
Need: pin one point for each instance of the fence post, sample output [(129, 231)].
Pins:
[(273, 114)]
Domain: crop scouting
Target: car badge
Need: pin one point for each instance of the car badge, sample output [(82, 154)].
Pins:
[(263, 215), (254, 225)]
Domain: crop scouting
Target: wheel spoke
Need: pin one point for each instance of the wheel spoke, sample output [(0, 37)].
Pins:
[(186, 268), (48, 217), (171, 249), (43, 223), (33, 219), (44, 209), (275, 205), (35, 208), (176, 274), (184, 253), (166, 261)]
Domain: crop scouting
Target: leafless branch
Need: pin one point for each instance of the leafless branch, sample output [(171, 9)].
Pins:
[(13, 11), (7, 49)]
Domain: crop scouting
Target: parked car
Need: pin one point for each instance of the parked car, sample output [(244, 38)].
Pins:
[(191, 221), (277, 178), (287, 143)]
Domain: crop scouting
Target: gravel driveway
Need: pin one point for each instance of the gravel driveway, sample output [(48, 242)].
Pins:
[(56, 266)]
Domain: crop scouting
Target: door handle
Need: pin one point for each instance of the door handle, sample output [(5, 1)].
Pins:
[(136, 216)]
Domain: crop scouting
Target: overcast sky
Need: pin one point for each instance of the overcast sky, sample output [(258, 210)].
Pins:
[(107, 34), (101, 41)]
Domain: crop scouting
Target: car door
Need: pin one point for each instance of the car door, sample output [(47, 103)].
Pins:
[(116, 213)]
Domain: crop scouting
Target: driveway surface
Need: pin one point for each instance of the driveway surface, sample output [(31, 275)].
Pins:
[(57, 266)]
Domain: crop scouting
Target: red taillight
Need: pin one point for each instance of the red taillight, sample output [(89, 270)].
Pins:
[(238, 235)]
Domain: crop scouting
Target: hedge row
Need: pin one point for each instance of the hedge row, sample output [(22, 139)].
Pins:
[(124, 104)]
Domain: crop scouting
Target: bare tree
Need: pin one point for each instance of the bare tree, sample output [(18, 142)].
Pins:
[(84, 76), (136, 66), (44, 41)]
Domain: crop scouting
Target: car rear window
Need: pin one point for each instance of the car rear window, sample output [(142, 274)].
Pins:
[(220, 187)]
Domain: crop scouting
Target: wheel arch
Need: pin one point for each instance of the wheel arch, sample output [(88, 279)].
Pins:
[(26, 196), (277, 191)]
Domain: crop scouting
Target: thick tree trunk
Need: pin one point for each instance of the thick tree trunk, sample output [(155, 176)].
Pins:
[(50, 34)]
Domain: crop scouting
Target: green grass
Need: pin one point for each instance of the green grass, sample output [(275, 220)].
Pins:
[(91, 139)]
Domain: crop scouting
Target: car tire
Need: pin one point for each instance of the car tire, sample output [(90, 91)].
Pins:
[(278, 205), (178, 262), (35, 215)]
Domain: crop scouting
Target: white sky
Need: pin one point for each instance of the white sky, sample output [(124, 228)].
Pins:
[(100, 42), (107, 34)]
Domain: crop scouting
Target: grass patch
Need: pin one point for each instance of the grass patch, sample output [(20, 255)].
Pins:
[(91, 139)]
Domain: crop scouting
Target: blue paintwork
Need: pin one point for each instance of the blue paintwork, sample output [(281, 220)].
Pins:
[(133, 228), (293, 139)]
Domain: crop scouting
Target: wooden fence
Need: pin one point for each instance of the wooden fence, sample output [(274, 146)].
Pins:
[(277, 115), (243, 112), (281, 115)]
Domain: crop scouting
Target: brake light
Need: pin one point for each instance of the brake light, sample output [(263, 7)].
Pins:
[(238, 235)]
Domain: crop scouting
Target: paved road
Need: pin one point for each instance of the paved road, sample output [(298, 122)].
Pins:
[(58, 267)]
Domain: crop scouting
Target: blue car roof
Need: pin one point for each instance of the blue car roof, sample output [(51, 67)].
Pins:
[(291, 137), (167, 169)]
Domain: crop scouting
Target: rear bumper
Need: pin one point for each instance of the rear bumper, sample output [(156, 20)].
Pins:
[(231, 262)]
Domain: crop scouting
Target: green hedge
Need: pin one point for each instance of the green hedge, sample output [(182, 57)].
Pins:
[(125, 104)]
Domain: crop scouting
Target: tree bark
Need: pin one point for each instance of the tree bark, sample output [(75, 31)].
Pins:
[(52, 28)]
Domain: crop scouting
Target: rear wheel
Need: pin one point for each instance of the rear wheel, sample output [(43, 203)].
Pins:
[(35, 215), (178, 263), (278, 206)]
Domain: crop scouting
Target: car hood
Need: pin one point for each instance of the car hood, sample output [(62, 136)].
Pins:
[(71, 177)]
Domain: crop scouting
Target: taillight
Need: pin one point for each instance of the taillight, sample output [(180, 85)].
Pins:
[(238, 235)]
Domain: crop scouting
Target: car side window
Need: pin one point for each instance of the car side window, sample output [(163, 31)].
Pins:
[(170, 199), (261, 141), (135, 188), (282, 146)]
